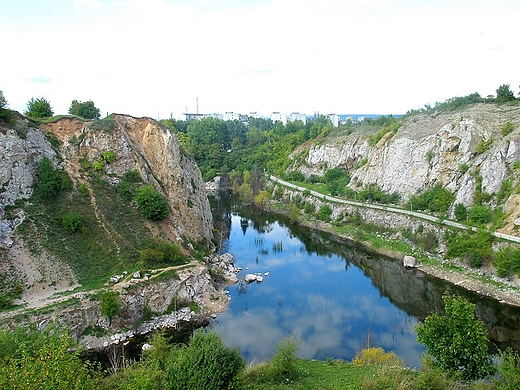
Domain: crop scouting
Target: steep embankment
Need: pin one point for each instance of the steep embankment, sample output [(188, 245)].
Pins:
[(477, 146), (39, 258)]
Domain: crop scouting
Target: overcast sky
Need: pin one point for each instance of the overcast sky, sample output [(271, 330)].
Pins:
[(156, 57)]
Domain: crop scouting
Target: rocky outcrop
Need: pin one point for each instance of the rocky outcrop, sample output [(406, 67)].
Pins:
[(452, 149), (168, 301), (21, 149)]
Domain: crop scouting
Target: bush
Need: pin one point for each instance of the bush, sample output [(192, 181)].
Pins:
[(480, 214), (86, 110), (437, 200), (162, 253), (109, 303), (72, 222), (283, 362), (508, 377), (457, 341), (461, 212), (50, 181), (324, 213), (475, 248), (206, 363), (152, 204), (377, 357), (507, 261)]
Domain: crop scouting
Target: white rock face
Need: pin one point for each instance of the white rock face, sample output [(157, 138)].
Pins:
[(429, 149)]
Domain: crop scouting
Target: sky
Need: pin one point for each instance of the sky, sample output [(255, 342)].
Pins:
[(158, 58)]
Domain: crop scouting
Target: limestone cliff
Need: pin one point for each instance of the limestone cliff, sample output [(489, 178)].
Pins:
[(451, 148), (75, 146)]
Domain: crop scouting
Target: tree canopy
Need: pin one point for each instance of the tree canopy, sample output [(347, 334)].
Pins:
[(39, 108), (504, 94), (457, 341), (85, 110)]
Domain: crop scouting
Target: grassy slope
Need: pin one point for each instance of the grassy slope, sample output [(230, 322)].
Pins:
[(110, 238)]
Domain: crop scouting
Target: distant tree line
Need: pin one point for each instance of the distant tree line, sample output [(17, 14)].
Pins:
[(504, 94)]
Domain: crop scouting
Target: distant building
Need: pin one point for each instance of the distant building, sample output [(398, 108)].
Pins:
[(231, 116), (334, 119), (296, 116), (255, 114), (191, 117), (277, 116)]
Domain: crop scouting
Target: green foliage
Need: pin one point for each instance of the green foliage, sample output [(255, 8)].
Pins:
[(109, 156), (504, 94), (457, 341), (106, 124), (373, 193), (324, 213), (85, 110), (162, 253), (507, 261), (484, 146), (206, 363), (463, 167), (461, 212), (377, 356), (132, 176), (474, 248), (50, 181), (283, 362), (437, 200), (34, 359), (508, 377), (5, 113), (506, 189), (72, 222), (109, 303), (3, 101), (480, 214), (152, 203), (336, 181), (38, 108), (507, 129)]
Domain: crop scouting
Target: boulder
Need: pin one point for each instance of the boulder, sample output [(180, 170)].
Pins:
[(409, 261), (250, 278)]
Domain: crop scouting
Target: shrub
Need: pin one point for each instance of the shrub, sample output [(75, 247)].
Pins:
[(324, 213), (507, 128), (152, 204), (125, 189), (132, 176), (507, 261), (437, 199), (475, 248), (109, 156), (376, 356), (109, 303), (461, 212), (162, 253), (508, 377), (457, 341), (283, 363), (206, 363), (50, 181), (72, 222), (480, 214)]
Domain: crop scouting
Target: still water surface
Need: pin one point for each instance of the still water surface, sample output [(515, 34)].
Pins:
[(311, 292)]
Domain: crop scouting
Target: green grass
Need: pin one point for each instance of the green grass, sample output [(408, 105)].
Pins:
[(109, 240), (315, 374)]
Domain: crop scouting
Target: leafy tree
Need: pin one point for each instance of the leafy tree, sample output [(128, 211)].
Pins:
[(437, 199), (85, 110), (152, 203), (324, 212), (504, 94), (39, 108), (3, 101), (206, 363), (457, 341), (480, 214), (5, 113)]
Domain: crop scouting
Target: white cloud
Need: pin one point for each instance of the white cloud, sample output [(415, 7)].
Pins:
[(141, 57)]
